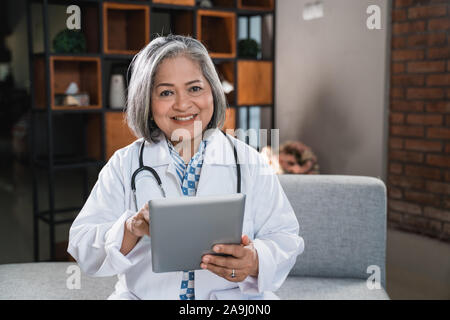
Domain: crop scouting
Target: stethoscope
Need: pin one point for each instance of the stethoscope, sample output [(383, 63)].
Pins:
[(158, 179)]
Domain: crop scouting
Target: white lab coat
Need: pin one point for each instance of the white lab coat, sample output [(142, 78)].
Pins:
[(269, 220)]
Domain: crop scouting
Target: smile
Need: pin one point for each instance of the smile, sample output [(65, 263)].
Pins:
[(187, 118)]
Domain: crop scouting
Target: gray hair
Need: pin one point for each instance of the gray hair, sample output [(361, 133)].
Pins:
[(144, 66)]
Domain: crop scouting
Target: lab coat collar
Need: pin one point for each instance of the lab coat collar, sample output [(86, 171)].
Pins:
[(218, 151)]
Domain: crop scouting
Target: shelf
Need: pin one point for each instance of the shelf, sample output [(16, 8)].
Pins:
[(70, 163), (221, 5), (118, 56), (121, 110), (176, 2), (252, 13), (260, 29), (171, 20), (261, 5), (211, 24), (125, 27), (57, 22), (62, 210), (50, 2), (57, 221), (117, 133), (255, 82), (81, 55), (84, 71), (73, 110)]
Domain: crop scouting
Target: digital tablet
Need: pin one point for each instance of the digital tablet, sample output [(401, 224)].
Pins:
[(184, 229)]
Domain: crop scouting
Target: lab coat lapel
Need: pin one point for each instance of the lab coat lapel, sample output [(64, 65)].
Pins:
[(215, 162), (219, 150), (158, 154)]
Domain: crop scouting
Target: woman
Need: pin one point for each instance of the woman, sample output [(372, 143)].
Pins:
[(176, 106)]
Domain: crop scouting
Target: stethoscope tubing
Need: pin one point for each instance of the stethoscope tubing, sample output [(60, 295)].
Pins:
[(158, 179)]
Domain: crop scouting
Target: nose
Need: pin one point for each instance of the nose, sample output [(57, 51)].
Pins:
[(182, 102)]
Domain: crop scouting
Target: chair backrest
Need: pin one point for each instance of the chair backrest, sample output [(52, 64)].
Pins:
[(343, 223)]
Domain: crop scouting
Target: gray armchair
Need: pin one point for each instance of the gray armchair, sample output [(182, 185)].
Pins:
[(342, 221)]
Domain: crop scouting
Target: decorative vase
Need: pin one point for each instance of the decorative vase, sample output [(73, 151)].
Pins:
[(117, 92), (205, 3)]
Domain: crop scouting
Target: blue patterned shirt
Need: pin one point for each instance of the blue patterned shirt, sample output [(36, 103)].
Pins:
[(188, 176)]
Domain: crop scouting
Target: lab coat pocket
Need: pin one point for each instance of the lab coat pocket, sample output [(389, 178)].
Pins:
[(228, 294)]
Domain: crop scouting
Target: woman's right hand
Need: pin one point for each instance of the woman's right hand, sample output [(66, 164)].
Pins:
[(139, 224)]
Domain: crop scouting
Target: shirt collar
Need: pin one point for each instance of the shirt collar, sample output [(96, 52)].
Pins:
[(200, 150), (219, 150)]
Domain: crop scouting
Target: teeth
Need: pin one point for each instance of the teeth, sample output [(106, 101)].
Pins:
[(185, 118)]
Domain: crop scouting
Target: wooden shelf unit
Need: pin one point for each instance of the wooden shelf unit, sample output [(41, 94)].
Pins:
[(255, 82), (117, 133), (217, 31), (126, 28)]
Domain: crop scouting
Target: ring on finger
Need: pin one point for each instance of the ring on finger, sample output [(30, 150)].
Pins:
[(233, 274)]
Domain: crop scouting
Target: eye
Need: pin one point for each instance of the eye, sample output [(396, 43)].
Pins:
[(165, 93), (196, 88)]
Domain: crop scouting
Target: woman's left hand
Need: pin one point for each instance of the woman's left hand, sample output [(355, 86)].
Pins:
[(243, 260)]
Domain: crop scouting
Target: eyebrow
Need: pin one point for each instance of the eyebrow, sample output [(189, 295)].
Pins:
[(171, 85)]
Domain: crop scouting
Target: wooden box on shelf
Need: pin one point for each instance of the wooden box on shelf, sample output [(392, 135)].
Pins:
[(117, 133), (229, 4), (84, 71), (177, 21), (176, 2), (255, 82), (230, 119), (126, 27), (217, 31), (256, 4)]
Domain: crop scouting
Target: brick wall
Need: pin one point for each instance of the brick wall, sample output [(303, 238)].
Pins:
[(419, 124)]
